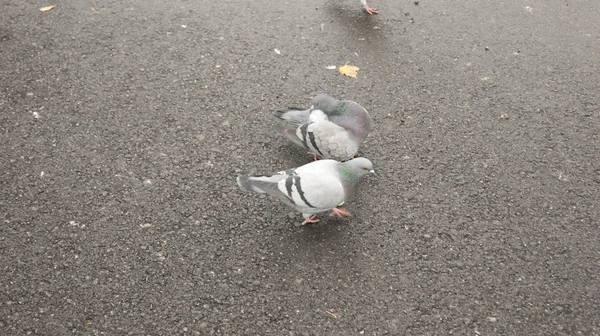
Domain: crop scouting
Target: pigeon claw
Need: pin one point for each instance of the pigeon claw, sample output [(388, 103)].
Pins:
[(315, 156), (310, 220), (339, 212), (371, 10)]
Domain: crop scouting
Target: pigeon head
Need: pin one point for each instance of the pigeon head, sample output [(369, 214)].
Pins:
[(353, 170), (325, 103)]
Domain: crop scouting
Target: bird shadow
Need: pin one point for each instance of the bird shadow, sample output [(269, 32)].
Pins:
[(292, 155), (324, 244)]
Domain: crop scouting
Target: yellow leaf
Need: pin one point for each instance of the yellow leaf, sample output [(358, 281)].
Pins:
[(47, 8), (349, 70)]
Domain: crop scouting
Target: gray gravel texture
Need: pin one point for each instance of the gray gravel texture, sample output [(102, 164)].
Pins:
[(123, 125)]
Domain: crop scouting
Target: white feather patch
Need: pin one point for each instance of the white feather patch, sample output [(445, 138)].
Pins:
[(317, 115)]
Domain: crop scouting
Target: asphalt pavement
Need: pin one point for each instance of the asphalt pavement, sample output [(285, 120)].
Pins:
[(123, 125)]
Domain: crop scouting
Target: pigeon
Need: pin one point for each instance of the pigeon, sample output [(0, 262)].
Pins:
[(314, 187), (330, 128), (367, 8)]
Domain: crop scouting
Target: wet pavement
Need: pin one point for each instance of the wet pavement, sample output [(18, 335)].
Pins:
[(124, 124)]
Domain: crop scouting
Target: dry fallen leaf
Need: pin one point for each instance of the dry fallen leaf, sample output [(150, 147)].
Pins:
[(47, 8), (349, 70)]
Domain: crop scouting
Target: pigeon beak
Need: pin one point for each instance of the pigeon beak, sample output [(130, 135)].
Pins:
[(372, 171)]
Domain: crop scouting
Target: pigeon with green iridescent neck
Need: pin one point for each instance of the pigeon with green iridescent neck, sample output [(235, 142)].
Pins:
[(316, 187), (330, 128)]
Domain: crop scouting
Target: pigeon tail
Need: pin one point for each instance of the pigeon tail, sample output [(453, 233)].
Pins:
[(290, 134), (244, 183), (293, 114), (260, 184)]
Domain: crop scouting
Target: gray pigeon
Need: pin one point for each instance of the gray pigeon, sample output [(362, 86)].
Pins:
[(330, 128), (315, 187)]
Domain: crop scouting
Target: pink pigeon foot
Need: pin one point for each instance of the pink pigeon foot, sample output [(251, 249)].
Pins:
[(310, 220), (370, 10), (340, 212), (315, 156)]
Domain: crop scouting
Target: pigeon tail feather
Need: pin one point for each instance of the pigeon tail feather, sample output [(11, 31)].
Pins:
[(290, 133), (244, 182), (293, 114), (261, 184)]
